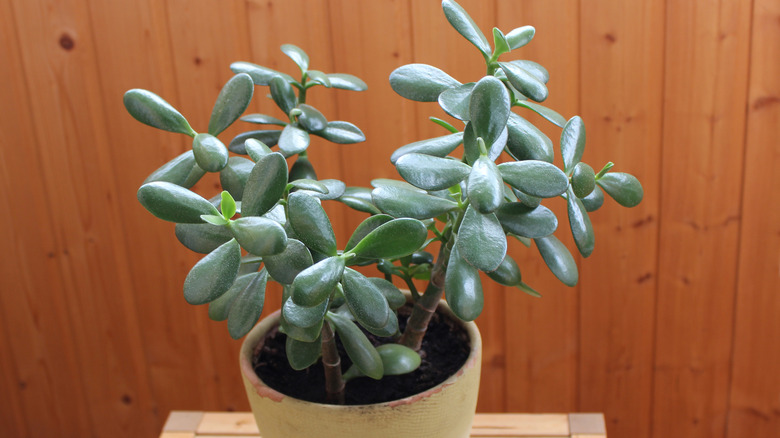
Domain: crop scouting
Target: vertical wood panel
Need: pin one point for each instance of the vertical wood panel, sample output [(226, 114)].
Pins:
[(705, 79), (542, 347), (622, 82), (754, 408)]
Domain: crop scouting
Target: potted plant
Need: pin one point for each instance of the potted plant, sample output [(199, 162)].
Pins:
[(455, 200)]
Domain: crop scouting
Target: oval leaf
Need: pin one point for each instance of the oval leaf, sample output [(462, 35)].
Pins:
[(262, 119), (431, 173), (260, 75), (581, 228), (231, 102), (392, 240), (485, 186), (366, 302), (398, 359), (481, 240), (311, 119), (358, 347), (234, 176), (219, 309), (182, 171), (247, 307), (526, 141), (572, 142), (210, 154), (311, 223), (213, 275), (293, 140), (172, 203), (367, 226), (152, 110), (302, 355), (465, 25), (471, 147), (359, 198), (508, 273), (400, 202), (623, 188), (531, 222), (519, 37), (489, 109), (345, 81), (455, 101), (594, 200), (536, 178), (545, 112), (342, 133), (285, 266), (583, 180), (283, 94), (437, 147), (259, 236), (420, 82), (302, 169), (269, 138), (463, 288), (265, 185), (558, 259), (315, 284), (525, 82), (202, 238), (395, 298), (298, 56), (534, 68), (304, 317)]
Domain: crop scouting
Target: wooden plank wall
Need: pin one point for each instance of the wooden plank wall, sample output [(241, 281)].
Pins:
[(672, 331)]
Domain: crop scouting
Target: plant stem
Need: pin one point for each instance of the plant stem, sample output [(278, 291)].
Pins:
[(331, 362)]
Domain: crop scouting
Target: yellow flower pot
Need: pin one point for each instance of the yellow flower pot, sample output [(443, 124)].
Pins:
[(445, 410)]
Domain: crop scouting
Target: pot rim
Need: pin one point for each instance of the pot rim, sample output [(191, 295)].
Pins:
[(252, 341)]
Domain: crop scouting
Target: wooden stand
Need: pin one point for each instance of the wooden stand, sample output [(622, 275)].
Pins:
[(191, 424)]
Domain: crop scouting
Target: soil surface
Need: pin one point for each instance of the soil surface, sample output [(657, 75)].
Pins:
[(445, 349)]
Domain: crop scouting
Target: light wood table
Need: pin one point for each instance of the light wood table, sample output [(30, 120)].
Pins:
[(191, 424)]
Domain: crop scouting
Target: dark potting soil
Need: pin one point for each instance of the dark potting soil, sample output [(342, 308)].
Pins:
[(445, 349)]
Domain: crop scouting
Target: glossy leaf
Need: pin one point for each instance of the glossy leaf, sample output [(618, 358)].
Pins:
[(173, 203), (455, 101), (572, 142), (259, 236), (526, 141), (219, 309), (311, 223), (334, 187), (247, 307), (358, 347), (283, 94), (265, 185), (526, 199), (525, 82), (262, 119), (463, 288), (214, 219), (521, 36), (150, 109), (342, 133), (182, 171), (536, 69), (623, 188), (228, 205), (359, 198), (551, 115), (388, 182), (395, 298), (213, 275), (345, 81), (485, 186), (558, 259), (234, 176), (471, 146), (298, 56), (364, 228), (232, 101), (309, 185), (594, 200), (302, 169), (318, 77), (431, 173), (536, 178), (391, 240), (481, 240), (507, 273), (500, 43), (268, 138), (293, 140), (399, 202), (437, 147), (489, 109), (465, 25), (202, 238), (304, 317), (210, 154), (398, 359), (260, 75), (315, 283), (583, 180), (311, 119), (285, 266), (302, 355), (531, 222), (366, 301), (420, 82), (529, 290), (581, 228)]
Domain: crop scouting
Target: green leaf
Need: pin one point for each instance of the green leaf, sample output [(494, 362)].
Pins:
[(364, 228), (228, 205), (471, 146), (489, 109), (357, 346), (365, 300), (519, 37), (594, 200), (531, 222), (213, 275), (150, 109), (345, 81), (293, 140), (283, 94), (526, 199), (508, 273), (623, 188), (260, 75), (536, 178), (524, 82), (304, 317), (485, 186), (202, 238), (545, 112), (500, 43), (398, 359), (526, 141), (444, 125), (302, 355), (214, 219), (285, 266), (219, 309), (172, 203), (437, 147), (455, 101), (558, 259), (311, 223), (302, 169), (234, 176), (395, 298), (534, 68), (269, 138), (231, 102), (247, 307), (265, 185), (391, 240), (572, 142), (463, 288), (259, 236), (315, 283), (319, 77), (580, 225), (359, 198), (262, 119), (481, 240), (399, 202), (309, 185), (182, 171), (342, 133), (298, 56), (210, 154), (529, 290), (311, 119), (465, 25), (431, 173), (420, 82), (583, 180), (327, 189)]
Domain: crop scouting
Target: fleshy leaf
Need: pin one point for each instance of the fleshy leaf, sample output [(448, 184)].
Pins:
[(431, 173), (283, 94), (202, 238), (531, 222), (392, 240), (471, 147), (345, 81), (302, 355), (219, 309), (463, 288), (455, 101), (367, 226), (581, 228), (265, 185), (315, 284), (437, 147), (210, 154), (623, 188), (248, 306), (551, 115), (485, 186), (489, 109), (395, 298), (342, 133), (481, 240), (259, 236), (526, 141), (465, 25), (359, 198), (213, 275), (507, 273), (398, 359), (260, 75), (267, 137), (558, 259), (286, 265), (420, 82), (583, 180), (231, 102), (298, 56), (304, 317), (594, 200), (524, 82), (293, 140), (519, 37), (500, 43), (173, 203), (536, 69), (319, 77), (182, 171), (311, 119), (399, 202), (311, 223), (262, 119), (572, 142), (234, 176), (150, 109), (358, 347), (366, 302), (536, 178)]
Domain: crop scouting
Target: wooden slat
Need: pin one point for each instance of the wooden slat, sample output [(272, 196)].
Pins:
[(621, 71), (705, 83), (754, 405)]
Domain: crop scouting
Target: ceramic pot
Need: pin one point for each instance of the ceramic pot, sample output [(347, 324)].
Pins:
[(446, 410)]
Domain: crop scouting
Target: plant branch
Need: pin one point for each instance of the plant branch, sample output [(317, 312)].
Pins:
[(331, 362)]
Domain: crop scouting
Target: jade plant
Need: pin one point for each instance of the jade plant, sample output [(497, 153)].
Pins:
[(455, 200)]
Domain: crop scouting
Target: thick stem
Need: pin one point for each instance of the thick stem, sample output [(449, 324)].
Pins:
[(331, 362)]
